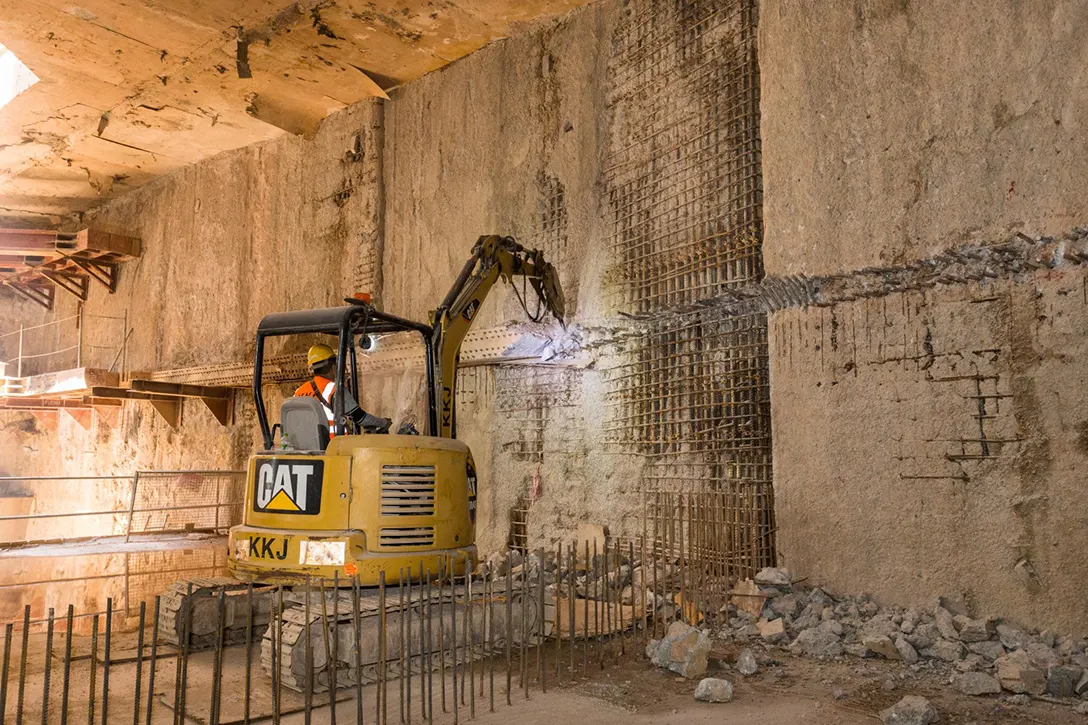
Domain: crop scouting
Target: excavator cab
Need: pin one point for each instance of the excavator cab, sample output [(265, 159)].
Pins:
[(329, 501)]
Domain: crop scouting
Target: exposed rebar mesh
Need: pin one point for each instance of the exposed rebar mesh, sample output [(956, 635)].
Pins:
[(684, 173), (541, 405), (684, 181), (187, 501)]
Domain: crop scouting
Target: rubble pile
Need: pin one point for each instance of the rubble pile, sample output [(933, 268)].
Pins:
[(980, 656)]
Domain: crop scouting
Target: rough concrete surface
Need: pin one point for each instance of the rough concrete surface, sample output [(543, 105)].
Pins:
[(929, 444), (894, 129)]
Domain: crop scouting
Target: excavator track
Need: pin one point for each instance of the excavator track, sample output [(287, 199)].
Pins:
[(201, 617), (422, 649)]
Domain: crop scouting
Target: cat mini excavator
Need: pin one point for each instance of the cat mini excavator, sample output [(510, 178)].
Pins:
[(326, 502)]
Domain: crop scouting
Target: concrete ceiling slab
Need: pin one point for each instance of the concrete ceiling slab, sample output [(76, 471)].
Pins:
[(129, 90)]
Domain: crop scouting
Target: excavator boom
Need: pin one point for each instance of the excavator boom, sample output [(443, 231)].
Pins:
[(493, 258)]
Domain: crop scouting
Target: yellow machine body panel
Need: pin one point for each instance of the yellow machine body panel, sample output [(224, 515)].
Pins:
[(401, 504)]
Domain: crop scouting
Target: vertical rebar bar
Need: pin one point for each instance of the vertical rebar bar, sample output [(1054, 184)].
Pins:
[(356, 631), (585, 620), (382, 652), (106, 662), (406, 636), (67, 678), (9, 632), (509, 621), (523, 591), (91, 689), (429, 648), (183, 657), (139, 663), (46, 674), (400, 643), (489, 582), (152, 662), (277, 654), (21, 693), (540, 675), (442, 633), (453, 638), (217, 656), (572, 575), (308, 694), (248, 691), (334, 650), (470, 650), (423, 645), (558, 614)]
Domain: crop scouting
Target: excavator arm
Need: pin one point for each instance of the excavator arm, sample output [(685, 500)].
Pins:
[(493, 258)]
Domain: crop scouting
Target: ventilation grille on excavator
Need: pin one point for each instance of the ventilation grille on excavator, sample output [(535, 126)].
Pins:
[(419, 536), (407, 491)]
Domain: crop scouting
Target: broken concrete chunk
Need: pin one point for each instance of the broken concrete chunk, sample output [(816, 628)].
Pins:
[(772, 631), (682, 650), (818, 597), (1017, 673), (746, 663), (976, 683), (1061, 680), (712, 689), (815, 643), (1013, 638), (1082, 684), (974, 630), (945, 650), (832, 626), (911, 710), (882, 646), (774, 576), (989, 650), (1081, 709), (787, 604), (1042, 656), (748, 598), (946, 625), (906, 652)]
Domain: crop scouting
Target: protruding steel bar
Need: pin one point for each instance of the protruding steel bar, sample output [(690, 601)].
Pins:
[(453, 638), (67, 677), (139, 664), (92, 690), (489, 583), (406, 627), (106, 662), (334, 649), (598, 612), (308, 694), (357, 638), (217, 657), (428, 648), (21, 693), (442, 633), (400, 643), (383, 633), (421, 615), (183, 657), (572, 575), (277, 656), (509, 621), (541, 675), (523, 650), (470, 641), (249, 656), (152, 661), (9, 632), (585, 620), (46, 674), (558, 630)]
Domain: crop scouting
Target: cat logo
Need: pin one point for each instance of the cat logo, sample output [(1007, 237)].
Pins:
[(288, 486), (470, 310)]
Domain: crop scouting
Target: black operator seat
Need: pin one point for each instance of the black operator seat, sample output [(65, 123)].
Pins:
[(304, 424)]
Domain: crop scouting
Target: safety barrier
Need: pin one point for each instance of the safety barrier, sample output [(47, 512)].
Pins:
[(39, 509)]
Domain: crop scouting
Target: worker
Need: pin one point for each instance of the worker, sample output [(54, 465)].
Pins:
[(322, 362)]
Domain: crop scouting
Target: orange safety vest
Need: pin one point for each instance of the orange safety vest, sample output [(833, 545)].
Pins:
[(325, 386)]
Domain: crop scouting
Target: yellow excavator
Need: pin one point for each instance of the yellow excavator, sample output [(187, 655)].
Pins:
[(324, 501)]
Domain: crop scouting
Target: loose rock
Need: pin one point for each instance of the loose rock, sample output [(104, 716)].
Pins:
[(911, 710), (974, 630), (712, 689), (772, 631), (682, 650), (815, 643), (946, 625), (1013, 638), (1061, 680), (774, 577), (881, 646), (746, 662), (976, 683), (1019, 674)]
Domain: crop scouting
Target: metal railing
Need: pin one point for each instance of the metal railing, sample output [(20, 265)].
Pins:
[(40, 509), (86, 353)]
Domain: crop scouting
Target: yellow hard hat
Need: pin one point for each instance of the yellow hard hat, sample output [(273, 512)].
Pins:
[(318, 354)]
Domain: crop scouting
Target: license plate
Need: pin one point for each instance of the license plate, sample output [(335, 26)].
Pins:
[(267, 548)]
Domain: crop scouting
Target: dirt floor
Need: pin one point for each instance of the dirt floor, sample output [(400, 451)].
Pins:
[(786, 690)]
